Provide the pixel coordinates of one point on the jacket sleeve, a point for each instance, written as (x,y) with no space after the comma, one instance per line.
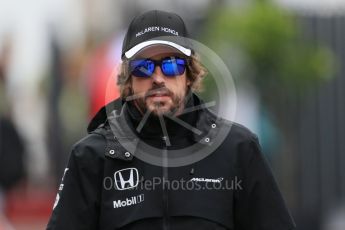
(77,202)
(259,204)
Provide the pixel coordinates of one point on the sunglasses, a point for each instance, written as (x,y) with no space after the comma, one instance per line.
(170,66)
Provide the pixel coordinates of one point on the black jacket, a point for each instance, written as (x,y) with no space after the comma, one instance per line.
(109,185)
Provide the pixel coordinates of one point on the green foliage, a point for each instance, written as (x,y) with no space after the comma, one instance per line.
(272,41)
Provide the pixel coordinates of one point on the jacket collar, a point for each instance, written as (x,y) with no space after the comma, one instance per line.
(114,114)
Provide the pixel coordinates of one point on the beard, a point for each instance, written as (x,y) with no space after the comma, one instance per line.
(171,104)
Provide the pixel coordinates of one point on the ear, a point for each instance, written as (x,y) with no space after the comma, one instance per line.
(188,82)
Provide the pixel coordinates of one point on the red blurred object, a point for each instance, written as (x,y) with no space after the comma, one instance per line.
(102,76)
(29,204)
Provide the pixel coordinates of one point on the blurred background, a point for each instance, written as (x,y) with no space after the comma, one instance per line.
(58,65)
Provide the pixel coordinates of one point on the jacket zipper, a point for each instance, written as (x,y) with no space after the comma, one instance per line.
(165,188)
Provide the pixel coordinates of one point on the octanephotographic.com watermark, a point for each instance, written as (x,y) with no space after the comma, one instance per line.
(222,102)
(193,184)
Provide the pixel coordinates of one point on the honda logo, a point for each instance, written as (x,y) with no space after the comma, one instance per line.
(126,178)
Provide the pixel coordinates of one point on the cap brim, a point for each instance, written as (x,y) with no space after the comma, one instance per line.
(134,50)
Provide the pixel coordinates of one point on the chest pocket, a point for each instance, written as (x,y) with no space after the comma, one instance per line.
(208,196)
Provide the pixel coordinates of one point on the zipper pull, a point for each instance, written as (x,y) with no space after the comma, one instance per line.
(191,171)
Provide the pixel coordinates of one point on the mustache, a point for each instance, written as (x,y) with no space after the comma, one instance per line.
(158,90)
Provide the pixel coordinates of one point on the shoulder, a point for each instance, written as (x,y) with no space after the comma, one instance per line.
(89,148)
(241,133)
(244,144)
(249,155)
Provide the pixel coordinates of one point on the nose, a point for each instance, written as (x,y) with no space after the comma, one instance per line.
(158,76)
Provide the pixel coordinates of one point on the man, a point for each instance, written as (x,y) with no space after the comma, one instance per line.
(140,165)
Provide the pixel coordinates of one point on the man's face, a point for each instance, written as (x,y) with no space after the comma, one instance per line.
(160,94)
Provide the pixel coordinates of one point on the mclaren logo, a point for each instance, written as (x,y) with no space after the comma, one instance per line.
(126,178)
(218,180)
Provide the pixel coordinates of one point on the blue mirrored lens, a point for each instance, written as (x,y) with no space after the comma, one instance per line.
(170,67)
(173,66)
(142,67)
